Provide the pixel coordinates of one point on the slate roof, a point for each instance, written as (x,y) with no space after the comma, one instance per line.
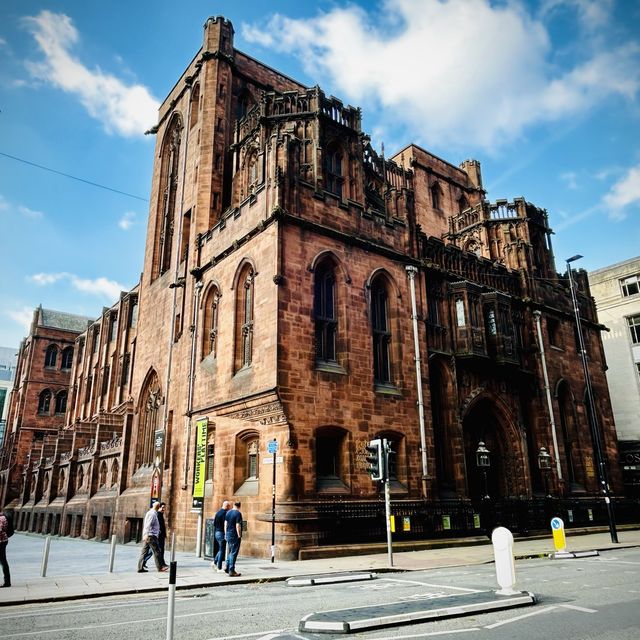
(62,320)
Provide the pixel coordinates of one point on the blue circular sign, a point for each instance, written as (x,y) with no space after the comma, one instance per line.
(556,523)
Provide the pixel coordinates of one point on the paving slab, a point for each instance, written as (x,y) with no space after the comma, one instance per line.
(410,611)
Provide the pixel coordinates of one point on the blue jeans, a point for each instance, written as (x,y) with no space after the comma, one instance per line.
(234,547)
(222,547)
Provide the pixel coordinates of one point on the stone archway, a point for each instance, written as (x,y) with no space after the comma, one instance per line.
(487,420)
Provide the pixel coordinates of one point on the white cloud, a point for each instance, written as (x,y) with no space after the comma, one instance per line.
(458,72)
(623,194)
(26,212)
(22,316)
(127,110)
(44,279)
(127,221)
(29,213)
(592,14)
(570,178)
(98,286)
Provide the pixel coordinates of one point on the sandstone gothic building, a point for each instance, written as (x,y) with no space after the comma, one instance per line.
(300,287)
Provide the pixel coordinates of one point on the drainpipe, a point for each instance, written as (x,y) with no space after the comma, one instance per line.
(536,316)
(411,273)
(192,363)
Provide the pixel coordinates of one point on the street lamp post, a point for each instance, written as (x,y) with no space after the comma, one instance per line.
(591,409)
(544,464)
(483,462)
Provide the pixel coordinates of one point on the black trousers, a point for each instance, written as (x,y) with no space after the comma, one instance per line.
(4,563)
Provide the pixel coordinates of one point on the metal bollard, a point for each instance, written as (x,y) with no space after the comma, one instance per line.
(112,553)
(45,557)
(171,604)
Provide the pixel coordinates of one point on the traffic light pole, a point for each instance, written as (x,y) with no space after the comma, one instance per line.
(387,502)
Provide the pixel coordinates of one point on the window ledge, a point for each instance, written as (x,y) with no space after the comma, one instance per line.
(249,487)
(327,366)
(387,390)
(331,486)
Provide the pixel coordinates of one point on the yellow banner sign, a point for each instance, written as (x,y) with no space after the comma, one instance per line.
(200,465)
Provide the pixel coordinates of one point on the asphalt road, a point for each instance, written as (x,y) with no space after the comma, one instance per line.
(581,599)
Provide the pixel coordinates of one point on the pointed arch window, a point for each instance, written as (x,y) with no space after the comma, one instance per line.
(194,105)
(381,332)
(61,402)
(252,170)
(436,196)
(326,322)
(62,479)
(44,402)
(244,319)
(51,356)
(211,314)
(80,479)
(67,358)
(247,470)
(167,190)
(115,473)
(463,204)
(149,421)
(333,169)
(102,480)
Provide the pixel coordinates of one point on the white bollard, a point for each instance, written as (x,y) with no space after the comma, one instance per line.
(112,553)
(502,541)
(45,557)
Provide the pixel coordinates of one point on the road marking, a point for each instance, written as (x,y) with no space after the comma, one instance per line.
(429,634)
(576,608)
(428,584)
(118,624)
(269,633)
(74,609)
(522,617)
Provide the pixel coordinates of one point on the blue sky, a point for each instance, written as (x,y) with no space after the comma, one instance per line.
(544,93)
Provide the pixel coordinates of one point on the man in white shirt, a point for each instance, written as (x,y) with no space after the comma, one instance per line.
(150,532)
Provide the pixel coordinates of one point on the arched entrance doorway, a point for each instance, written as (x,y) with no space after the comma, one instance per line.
(485,422)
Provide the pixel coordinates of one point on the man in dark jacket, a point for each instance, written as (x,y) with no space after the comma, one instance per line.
(233,536)
(4,541)
(162,536)
(218,532)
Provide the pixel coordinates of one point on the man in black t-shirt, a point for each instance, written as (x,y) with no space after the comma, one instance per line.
(218,533)
(233,536)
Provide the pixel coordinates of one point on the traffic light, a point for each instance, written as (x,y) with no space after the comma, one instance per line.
(375,458)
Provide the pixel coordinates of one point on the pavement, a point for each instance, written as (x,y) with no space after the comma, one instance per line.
(78,569)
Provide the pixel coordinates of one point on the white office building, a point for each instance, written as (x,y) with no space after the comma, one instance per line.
(616,290)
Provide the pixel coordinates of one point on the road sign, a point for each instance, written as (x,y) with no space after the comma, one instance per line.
(557,528)
(272,446)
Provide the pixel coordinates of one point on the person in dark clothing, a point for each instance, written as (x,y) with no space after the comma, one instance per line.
(218,533)
(162,536)
(4,541)
(233,536)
